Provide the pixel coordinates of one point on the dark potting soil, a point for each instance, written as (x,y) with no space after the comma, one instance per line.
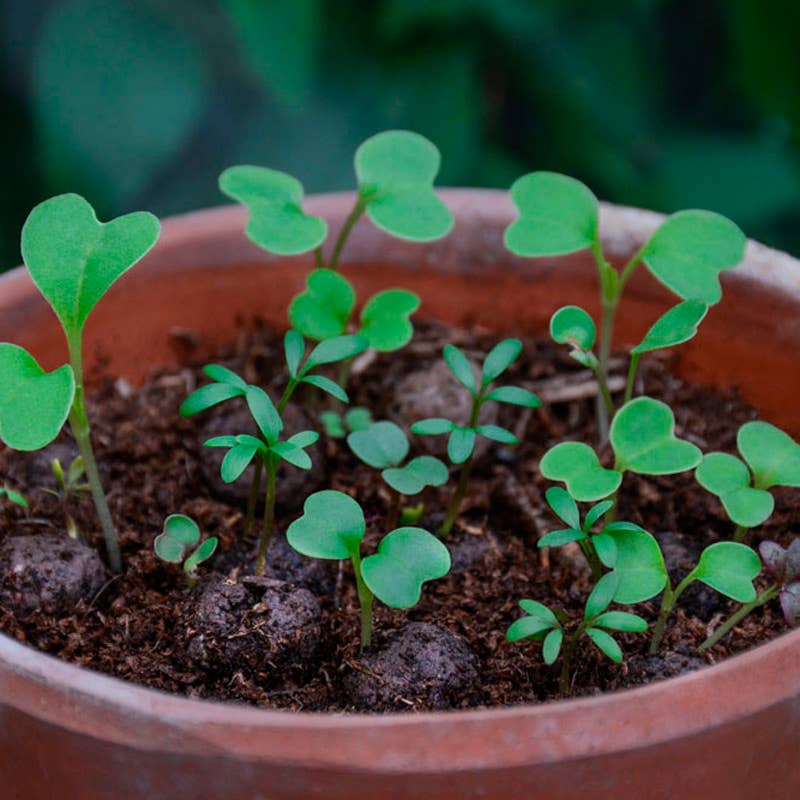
(291,640)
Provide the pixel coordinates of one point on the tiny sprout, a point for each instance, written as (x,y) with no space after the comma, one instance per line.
(784,567)
(560,636)
(69,485)
(13,497)
(771,458)
(74,260)
(332,527)
(385,446)
(174,543)
(461,441)
(337,426)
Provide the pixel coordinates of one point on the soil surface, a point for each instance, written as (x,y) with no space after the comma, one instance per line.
(291,640)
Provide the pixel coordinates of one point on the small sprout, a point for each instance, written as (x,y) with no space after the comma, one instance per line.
(771,458)
(174,545)
(13,497)
(337,426)
(573,326)
(578,466)
(461,441)
(68,486)
(332,527)
(74,260)
(784,568)
(560,636)
(385,446)
(412,514)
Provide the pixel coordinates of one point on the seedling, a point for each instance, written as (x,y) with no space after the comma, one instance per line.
(771,458)
(643,440)
(174,545)
(461,441)
(227,385)
(13,497)
(69,485)
(559,215)
(384,446)
(395,172)
(337,425)
(73,259)
(560,635)
(332,527)
(784,568)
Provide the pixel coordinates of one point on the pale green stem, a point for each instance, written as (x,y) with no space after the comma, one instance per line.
(740,534)
(668,601)
(566,658)
(358,209)
(319,262)
(631,382)
(592,558)
(269,515)
(365,598)
(732,621)
(79,423)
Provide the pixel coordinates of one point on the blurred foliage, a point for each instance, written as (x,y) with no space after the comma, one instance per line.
(659,103)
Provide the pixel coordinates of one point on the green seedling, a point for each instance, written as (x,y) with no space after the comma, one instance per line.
(69,486)
(13,497)
(176,542)
(302,370)
(332,527)
(337,425)
(771,458)
(461,441)
(410,515)
(560,635)
(558,215)
(385,446)
(643,440)
(73,259)
(783,565)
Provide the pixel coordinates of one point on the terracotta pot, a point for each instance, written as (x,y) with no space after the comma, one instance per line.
(729,731)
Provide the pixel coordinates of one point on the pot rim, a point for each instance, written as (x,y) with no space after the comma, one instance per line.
(82,700)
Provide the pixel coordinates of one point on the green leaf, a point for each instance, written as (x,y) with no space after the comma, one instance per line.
(601,595)
(639,564)
(515,396)
(74,259)
(358,418)
(221,441)
(203,553)
(620,621)
(643,437)
(406,558)
(435,426)
(595,512)
(460,444)
(179,533)
(773,456)
(221,374)
(552,646)
(332,424)
(34,404)
(677,326)
(274,200)
(572,325)
(385,319)
(605,643)
(264,413)
(292,454)
(729,478)
(207,396)
(420,472)
(382,445)
(327,385)
(536,609)
(304,439)
(168,549)
(730,568)
(499,359)
(497,434)
(324,308)
(557,215)
(236,461)
(14,497)
(294,348)
(332,526)
(562,537)
(690,249)
(339,348)
(606,549)
(527,628)
(460,367)
(564,506)
(578,466)
(395,171)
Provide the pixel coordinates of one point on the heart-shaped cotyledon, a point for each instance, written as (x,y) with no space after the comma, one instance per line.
(578,466)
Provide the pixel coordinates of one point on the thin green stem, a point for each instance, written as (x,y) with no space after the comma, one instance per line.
(79,423)
(740,534)
(358,209)
(605,407)
(631,382)
(394,510)
(319,261)
(365,598)
(252,500)
(592,558)
(735,618)
(287,394)
(269,515)
(566,659)
(605,394)
(668,601)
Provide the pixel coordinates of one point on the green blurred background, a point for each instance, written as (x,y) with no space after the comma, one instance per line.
(658,103)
